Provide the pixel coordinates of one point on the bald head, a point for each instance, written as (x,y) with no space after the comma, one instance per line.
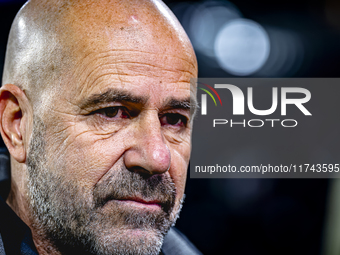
(51,41)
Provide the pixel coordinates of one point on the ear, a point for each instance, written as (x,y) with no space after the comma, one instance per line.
(14,108)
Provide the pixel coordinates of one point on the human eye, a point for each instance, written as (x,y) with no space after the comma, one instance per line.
(113,112)
(174,119)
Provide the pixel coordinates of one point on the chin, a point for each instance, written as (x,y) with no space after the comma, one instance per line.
(130,241)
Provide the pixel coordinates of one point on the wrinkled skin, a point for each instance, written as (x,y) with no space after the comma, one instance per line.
(109,92)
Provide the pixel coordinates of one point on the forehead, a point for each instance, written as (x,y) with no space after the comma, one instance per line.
(132,70)
(131,47)
(144,26)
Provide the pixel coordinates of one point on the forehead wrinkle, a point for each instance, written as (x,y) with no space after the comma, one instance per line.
(126,80)
(149,70)
(120,83)
(91,80)
(166,60)
(108,63)
(98,72)
(83,64)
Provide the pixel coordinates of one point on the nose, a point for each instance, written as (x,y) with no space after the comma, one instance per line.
(148,152)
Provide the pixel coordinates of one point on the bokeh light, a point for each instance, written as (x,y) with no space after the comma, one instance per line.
(242,47)
(206,21)
(286,54)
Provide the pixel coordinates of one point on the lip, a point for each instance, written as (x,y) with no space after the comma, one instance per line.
(141,202)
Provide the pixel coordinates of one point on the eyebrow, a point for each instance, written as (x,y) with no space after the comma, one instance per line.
(112,95)
(178,104)
(188,104)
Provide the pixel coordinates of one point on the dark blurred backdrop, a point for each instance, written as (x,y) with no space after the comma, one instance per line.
(289,38)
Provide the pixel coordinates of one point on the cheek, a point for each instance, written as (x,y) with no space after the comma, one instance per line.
(84,157)
(179,165)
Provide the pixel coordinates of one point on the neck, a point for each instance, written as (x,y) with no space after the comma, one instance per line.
(18,202)
(44,246)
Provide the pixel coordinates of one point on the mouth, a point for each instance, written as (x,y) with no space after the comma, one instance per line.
(140,203)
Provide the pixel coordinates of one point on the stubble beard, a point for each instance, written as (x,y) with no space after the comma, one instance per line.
(76,221)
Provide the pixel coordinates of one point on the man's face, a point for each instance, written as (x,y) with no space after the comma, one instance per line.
(109,152)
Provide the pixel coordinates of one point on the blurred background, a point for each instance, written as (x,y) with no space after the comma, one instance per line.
(247,38)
